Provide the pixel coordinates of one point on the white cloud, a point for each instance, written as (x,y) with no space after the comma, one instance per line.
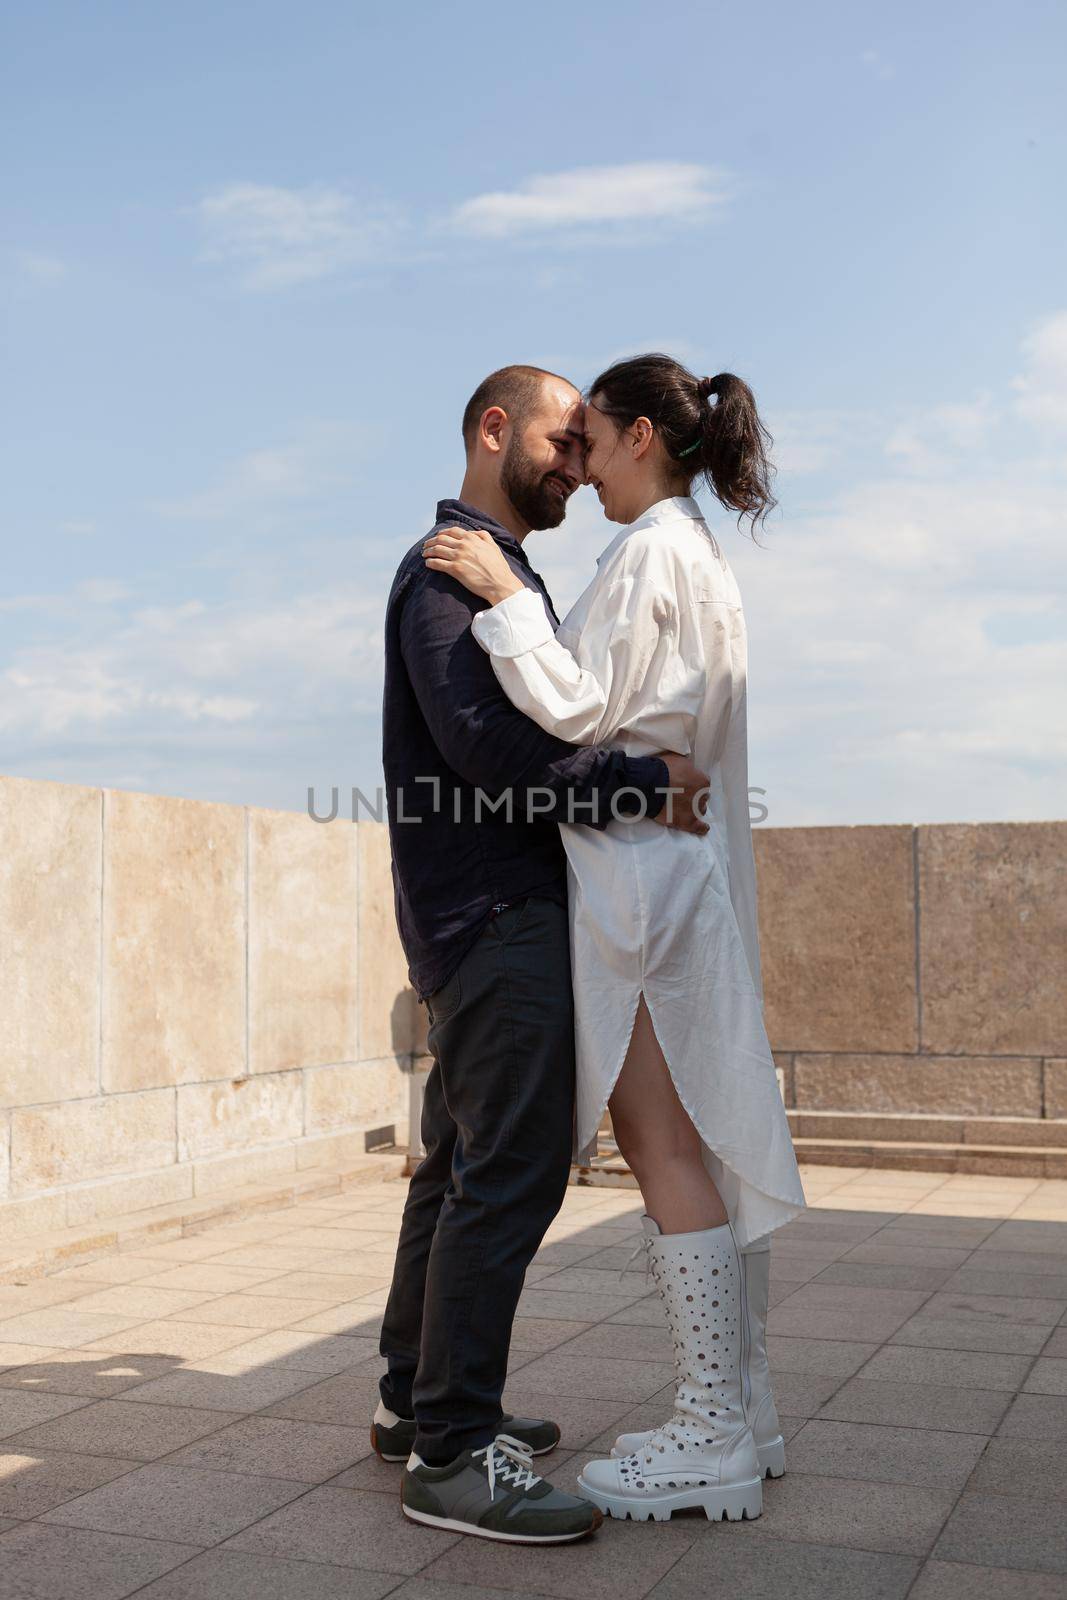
(278,237)
(897,672)
(922,442)
(587,197)
(247,697)
(102,591)
(258,476)
(908,639)
(878,64)
(37,266)
(165,667)
(70,603)
(811,441)
(908,643)
(1041,388)
(275,237)
(267,479)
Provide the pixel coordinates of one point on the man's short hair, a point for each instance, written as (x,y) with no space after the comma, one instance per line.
(515,390)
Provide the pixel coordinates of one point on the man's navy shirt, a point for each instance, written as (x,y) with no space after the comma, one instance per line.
(448,723)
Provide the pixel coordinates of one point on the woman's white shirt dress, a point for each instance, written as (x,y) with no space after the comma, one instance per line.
(653,657)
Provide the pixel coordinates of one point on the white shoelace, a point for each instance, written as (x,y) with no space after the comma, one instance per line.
(509,1460)
(642,1244)
(665,1439)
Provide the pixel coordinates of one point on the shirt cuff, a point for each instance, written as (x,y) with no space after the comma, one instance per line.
(647,773)
(514,625)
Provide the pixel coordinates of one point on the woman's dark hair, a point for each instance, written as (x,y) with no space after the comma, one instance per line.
(724,441)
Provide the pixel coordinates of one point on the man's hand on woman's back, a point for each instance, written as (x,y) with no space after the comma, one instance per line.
(685,809)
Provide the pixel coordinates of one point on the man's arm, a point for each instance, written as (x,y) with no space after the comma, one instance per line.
(486,740)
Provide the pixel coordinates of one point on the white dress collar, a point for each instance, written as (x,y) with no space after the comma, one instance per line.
(678,506)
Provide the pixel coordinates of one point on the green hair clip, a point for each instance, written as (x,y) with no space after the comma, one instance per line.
(689,450)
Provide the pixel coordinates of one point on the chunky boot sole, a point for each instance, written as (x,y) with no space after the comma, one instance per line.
(454,1525)
(772,1458)
(738,1502)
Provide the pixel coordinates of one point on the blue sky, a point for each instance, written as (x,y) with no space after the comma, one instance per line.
(254,259)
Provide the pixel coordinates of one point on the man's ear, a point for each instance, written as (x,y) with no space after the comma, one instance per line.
(491,428)
(642,432)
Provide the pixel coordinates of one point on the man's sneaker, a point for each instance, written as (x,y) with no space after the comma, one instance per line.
(494,1493)
(393,1437)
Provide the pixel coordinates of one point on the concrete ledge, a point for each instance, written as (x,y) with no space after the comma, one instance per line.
(1011,1132)
(902,1085)
(826,1142)
(97,1201)
(36,1255)
(994,1160)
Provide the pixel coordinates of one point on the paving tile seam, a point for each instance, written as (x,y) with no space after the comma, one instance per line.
(159,1539)
(873,1550)
(256,1327)
(241,1472)
(881,1229)
(979,1566)
(8,1438)
(401,1578)
(257,1330)
(152,1538)
(905,1427)
(108,1455)
(682,1553)
(1056,1328)
(81,1493)
(807,1545)
(956,1502)
(312,1488)
(922,1562)
(1020,1390)
(165,1405)
(940,1383)
(900,1483)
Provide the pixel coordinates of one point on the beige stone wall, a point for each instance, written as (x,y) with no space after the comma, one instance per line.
(918,970)
(194,996)
(191,996)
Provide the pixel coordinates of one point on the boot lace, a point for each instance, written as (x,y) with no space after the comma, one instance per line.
(664,1438)
(642,1244)
(507,1460)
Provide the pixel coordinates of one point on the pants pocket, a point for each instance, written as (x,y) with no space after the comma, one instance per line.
(506,924)
(444,1002)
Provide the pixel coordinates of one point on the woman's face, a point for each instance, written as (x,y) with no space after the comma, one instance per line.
(614,465)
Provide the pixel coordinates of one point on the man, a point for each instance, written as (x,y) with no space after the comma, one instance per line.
(475,792)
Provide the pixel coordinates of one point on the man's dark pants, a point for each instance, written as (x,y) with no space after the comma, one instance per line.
(497,1129)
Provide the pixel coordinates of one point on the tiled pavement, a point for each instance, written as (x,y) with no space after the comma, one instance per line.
(190,1419)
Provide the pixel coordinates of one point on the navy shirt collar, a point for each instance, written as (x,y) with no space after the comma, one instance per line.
(469,516)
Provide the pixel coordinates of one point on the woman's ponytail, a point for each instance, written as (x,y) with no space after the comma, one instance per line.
(734,456)
(723,440)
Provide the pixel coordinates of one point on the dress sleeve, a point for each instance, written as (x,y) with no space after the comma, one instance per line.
(485,740)
(582,704)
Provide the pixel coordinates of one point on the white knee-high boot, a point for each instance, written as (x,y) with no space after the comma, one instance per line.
(760,1409)
(705,1456)
(756,1392)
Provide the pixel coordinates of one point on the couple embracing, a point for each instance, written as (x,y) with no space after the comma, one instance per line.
(575,891)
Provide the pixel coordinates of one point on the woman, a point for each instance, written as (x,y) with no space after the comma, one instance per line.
(664,952)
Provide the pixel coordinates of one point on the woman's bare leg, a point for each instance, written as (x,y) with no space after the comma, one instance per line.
(658,1140)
